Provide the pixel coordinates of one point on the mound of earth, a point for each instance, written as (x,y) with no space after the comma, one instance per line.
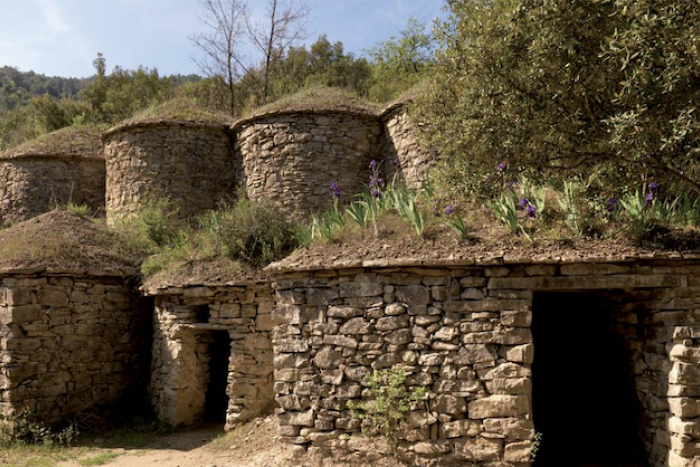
(61,240)
(220,271)
(74,141)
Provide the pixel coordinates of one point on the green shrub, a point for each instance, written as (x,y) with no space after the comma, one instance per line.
(24,429)
(80,210)
(391,401)
(152,222)
(254,233)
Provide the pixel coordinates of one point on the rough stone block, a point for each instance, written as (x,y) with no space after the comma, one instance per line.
(499,406)
(479,449)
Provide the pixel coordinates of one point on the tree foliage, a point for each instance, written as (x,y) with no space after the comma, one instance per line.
(400,62)
(555,89)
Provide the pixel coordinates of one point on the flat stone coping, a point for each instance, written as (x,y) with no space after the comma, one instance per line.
(199,290)
(284,267)
(67,272)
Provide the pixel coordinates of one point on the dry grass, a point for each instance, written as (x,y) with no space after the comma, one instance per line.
(179,110)
(59,239)
(319,98)
(73,140)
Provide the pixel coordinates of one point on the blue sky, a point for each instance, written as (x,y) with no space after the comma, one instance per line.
(62,37)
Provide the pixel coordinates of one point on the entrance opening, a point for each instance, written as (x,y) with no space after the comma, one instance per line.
(583,400)
(216,401)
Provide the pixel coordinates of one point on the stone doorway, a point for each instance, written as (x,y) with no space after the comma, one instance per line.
(584,398)
(216,399)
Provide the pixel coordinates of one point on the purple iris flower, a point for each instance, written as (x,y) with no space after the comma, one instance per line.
(376,194)
(531,211)
(524,202)
(449,210)
(648,198)
(373,164)
(653,186)
(501,166)
(611,205)
(335,190)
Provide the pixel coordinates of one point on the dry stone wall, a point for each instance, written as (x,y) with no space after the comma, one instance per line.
(464,333)
(69,342)
(183,322)
(31,185)
(292,158)
(191,165)
(403,155)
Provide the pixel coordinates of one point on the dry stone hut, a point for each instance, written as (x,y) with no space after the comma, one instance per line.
(73,334)
(292,156)
(212,349)
(600,355)
(185,159)
(403,154)
(52,171)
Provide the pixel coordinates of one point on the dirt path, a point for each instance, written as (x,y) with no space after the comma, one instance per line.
(250,445)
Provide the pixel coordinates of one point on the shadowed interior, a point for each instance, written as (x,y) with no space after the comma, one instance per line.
(584,400)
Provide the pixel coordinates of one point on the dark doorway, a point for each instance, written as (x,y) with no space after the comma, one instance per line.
(583,399)
(216,400)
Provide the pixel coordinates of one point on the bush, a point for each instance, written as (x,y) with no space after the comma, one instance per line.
(153,222)
(254,233)
(556,89)
(23,429)
(79,210)
(391,401)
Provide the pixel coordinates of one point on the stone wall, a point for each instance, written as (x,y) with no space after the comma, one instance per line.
(184,319)
(463,332)
(403,156)
(189,164)
(32,185)
(69,342)
(292,158)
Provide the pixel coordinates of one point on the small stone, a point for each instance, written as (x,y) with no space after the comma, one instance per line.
(395,309)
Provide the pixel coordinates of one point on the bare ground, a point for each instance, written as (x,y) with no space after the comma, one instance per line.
(250,445)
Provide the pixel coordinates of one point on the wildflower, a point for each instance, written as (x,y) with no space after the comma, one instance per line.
(611,204)
(648,198)
(653,186)
(501,166)
(449,210)
(524,202)
(531,211)
(376,182)
(335,190)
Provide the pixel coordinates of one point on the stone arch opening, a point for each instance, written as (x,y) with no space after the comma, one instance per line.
(584,399)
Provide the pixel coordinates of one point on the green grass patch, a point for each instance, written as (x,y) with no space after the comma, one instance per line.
(100,459)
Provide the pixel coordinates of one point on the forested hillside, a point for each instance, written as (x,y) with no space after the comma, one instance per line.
(32,104)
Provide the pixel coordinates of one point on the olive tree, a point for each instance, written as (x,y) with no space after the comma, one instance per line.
(554,89)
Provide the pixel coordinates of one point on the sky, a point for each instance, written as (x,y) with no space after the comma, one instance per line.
(62,37)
